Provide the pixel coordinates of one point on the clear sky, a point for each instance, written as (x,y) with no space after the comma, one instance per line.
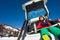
(11,12)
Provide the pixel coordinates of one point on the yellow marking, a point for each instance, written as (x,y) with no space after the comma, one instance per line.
(45,37)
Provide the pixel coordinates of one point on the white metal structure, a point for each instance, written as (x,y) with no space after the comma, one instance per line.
(36,36)
(37,18)
(30,2)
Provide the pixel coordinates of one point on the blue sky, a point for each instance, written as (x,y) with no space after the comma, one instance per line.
(11,12)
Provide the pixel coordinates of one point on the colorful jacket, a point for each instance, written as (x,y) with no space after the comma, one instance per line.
(41,24)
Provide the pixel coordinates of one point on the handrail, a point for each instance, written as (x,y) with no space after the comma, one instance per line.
(23,31)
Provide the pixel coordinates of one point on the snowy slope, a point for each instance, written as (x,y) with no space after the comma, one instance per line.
(8,38)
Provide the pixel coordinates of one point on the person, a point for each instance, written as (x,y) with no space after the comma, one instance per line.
(43,23)
(57,20)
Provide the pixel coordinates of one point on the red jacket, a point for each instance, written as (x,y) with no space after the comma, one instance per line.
(42,26)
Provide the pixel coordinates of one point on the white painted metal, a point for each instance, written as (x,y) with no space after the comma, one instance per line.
(45,1)
(35,28)
(23,6)
(56,24)
(52,36)
(34,20)
(47,10)
(36,0)
(30,2)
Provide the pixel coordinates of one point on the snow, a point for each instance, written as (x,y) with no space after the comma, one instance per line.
(33,37)
(8,38)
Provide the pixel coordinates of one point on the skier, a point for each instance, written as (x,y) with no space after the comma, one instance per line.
(43,23)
